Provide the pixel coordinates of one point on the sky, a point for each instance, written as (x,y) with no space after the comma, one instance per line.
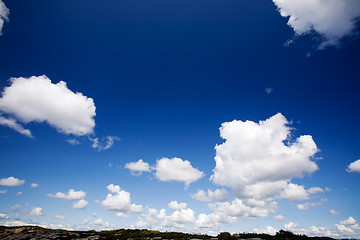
(194,116)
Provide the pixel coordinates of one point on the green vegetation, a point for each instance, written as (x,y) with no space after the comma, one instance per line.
(35,232)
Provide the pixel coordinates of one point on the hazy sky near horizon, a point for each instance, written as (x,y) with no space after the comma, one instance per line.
(195,116)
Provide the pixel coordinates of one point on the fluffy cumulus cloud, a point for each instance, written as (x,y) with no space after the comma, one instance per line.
(11,182)
(59,217)
(137,168)
(258,160)
(219,195)
(119,200)
(294,192)
(176,169)
(71,195)
(348,226)
(34,185)
(177,206)
(81,204)
(178,220)
(183,216)
(213,220)
(37,99)
(354,167)
(4,15)
(248,209)
(36,211)
(332,19)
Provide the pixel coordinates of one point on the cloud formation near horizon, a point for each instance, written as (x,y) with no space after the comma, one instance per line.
(256,162)
(331,19)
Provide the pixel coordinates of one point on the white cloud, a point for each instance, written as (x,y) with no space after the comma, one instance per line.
(36,99)
(307,205)
(248,209)
(81,204)
(16,223)
(121,215)
(354,167)
(3,191)
(268,230)
(71,195)
(138,167)
(59,217)
(113,188)
(176,169)
(102,224)
(315,190)
(279,218)
(348,226)
(349,222)
(334,212)
(11,123)
(36,211)
(120,201)
(11,182)
(256,162)
(213,220)
(332,19)
(201,195)
(105,143)
(73,141)
(34,185)
(19,193)
(177,206)
(294,192)
(183,216)
(3,216)
(219,195)
(4,15)
(16,207)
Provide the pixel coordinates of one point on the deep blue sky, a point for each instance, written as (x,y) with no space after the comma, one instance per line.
(164,76)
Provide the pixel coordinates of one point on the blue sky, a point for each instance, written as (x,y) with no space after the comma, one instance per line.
(197,116)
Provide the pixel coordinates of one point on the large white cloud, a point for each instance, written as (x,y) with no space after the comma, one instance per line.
(71,195)
(11,182)
(258,160)
(332,19)
(120,200)
(176,169)
(36,99)
(138,167)
(4,15)
(354,167)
